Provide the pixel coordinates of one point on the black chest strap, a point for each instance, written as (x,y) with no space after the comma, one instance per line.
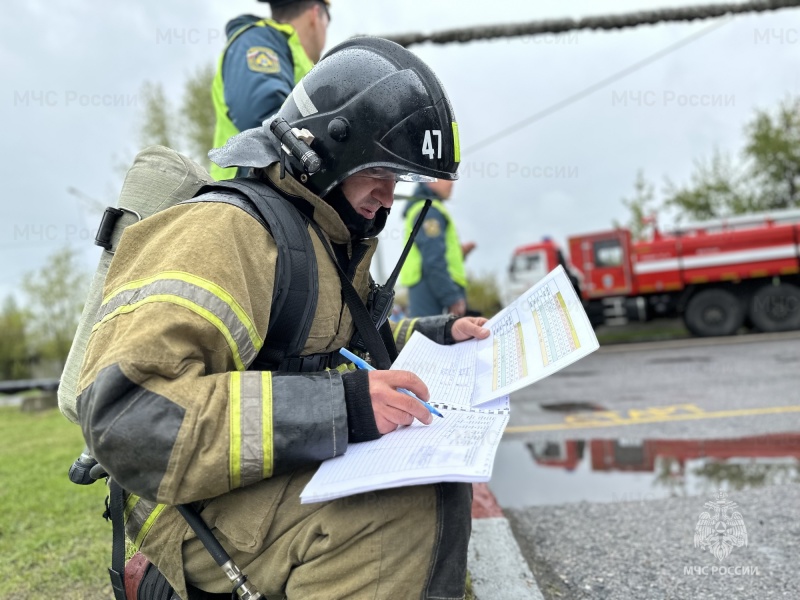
(296,283)
(296,291)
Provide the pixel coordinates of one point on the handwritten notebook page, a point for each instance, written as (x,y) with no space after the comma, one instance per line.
(459,447)
(448,371)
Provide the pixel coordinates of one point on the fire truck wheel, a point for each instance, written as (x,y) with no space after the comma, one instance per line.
(714,312)
(776,308)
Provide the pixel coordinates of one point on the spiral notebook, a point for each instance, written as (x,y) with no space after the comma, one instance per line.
(543,331)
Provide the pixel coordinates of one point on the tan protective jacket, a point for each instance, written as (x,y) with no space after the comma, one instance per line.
(166,405)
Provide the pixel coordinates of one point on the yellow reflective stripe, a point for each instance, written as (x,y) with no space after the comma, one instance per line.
(411,327)
(139,516)
(400,328)
(456,143)
(235,430)
(193,293)
(266,423)
(129,504)
(209,286)
(251,467)
(148,524)
(207,315)
(403,330)
(251,452)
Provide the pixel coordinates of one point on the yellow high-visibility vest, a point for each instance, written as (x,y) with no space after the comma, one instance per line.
(411,272)
(225,129)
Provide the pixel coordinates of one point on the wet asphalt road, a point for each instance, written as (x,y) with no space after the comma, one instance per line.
(607,466)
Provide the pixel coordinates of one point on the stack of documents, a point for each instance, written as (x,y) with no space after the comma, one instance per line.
(543,331)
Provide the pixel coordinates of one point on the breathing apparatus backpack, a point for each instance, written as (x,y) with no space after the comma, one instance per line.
(160,178)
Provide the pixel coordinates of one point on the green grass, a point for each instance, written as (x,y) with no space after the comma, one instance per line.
(54,543)
(470,595)
(651,331)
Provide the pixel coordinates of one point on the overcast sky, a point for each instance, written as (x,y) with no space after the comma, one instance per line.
(73,72)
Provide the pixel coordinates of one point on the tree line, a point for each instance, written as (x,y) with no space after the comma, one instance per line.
(39,325)
(763,176)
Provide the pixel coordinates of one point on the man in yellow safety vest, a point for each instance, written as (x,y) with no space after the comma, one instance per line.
(261,63)
(434,270)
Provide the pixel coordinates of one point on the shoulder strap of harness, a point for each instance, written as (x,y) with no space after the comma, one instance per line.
(294,298)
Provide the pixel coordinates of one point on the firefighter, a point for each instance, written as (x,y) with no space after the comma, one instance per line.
(261,63)
(434,271)
(170,416)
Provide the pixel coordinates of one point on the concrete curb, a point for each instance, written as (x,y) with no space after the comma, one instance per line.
(495,562)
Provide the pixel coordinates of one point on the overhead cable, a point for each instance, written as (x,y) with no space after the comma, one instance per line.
(563,103)
(602,22)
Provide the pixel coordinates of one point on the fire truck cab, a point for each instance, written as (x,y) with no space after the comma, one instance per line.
(717,275)
(529,264)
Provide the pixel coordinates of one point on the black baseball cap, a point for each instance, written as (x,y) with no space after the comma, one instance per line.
(287,2)
(282,3)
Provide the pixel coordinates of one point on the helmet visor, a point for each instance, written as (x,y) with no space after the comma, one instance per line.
(383,172)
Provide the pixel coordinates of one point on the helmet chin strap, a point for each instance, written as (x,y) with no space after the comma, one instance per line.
(358,226)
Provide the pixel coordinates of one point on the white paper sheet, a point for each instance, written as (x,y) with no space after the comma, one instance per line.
(459,447)
(543,331)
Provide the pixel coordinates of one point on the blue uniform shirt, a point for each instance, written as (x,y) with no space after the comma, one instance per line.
(253,96)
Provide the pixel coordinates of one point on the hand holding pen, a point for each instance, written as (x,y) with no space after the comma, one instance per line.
(391,408)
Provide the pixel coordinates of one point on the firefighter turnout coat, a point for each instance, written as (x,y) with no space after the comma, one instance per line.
(167,405)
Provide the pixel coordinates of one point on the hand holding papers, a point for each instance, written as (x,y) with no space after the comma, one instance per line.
(543,331)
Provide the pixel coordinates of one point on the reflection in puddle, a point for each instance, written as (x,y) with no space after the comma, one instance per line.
(558,472)
(573,407)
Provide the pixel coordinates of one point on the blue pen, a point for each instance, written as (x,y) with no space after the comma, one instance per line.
(362,364)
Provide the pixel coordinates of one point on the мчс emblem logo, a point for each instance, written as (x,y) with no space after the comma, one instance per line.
(722,529)
(263,60)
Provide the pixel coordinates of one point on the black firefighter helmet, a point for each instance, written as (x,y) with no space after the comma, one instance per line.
(372,106)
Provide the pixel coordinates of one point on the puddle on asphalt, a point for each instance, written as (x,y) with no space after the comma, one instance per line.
(573,407)
(558,472)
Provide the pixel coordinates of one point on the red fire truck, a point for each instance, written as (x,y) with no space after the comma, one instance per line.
(717,275)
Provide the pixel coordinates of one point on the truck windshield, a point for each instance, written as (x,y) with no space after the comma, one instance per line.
(530,267)
(607,253)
